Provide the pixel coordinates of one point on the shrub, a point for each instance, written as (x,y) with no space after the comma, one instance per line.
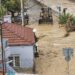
(68,20)
(2,11)
(73,20)
(63,18)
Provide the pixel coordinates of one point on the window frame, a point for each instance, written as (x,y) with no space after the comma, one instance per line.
(14,63)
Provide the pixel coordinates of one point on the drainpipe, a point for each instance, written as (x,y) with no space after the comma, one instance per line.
(22,11)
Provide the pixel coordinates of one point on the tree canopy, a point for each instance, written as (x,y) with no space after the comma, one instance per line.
(12,5)
(2,11)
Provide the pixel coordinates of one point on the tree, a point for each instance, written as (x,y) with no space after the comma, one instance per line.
(12,6)
(2,11)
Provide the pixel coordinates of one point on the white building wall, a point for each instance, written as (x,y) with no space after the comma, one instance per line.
(7,18)
(25,53)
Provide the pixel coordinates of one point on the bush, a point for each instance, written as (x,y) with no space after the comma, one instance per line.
(2,11)
(68,20)
(63,18)
(73,21)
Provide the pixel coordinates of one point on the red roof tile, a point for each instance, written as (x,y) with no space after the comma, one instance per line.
(18,35)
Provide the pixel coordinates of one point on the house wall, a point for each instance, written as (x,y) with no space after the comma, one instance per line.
(25,52)
(7,18)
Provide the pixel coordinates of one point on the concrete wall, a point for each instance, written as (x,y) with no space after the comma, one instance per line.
(25,53)
(7,18)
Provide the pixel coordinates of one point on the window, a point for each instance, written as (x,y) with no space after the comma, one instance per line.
(11,63)
(16,61)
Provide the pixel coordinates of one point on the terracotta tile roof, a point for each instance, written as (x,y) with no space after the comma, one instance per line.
(18,35)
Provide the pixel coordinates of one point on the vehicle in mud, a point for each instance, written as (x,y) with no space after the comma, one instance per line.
(46,15)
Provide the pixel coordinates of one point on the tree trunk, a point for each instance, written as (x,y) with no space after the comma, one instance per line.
(12,13)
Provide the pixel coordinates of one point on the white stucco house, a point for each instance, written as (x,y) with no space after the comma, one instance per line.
(20,45)
(7,18)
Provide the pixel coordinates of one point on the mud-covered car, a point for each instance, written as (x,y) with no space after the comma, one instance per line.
(46,15)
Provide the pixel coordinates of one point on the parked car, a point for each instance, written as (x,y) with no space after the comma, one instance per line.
(18,18)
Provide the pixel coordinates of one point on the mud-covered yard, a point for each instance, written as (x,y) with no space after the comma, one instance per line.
(51,60)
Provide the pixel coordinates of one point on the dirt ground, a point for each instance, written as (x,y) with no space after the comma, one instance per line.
(51,60)
(69,4)
(63,2)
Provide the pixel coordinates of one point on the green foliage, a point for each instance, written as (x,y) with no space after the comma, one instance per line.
(12,5)
(73,20)
(2,11)
(68,20)
(63,18)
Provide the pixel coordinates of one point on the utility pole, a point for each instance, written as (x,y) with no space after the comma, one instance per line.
(2,48)
(22,11)
(3,61)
